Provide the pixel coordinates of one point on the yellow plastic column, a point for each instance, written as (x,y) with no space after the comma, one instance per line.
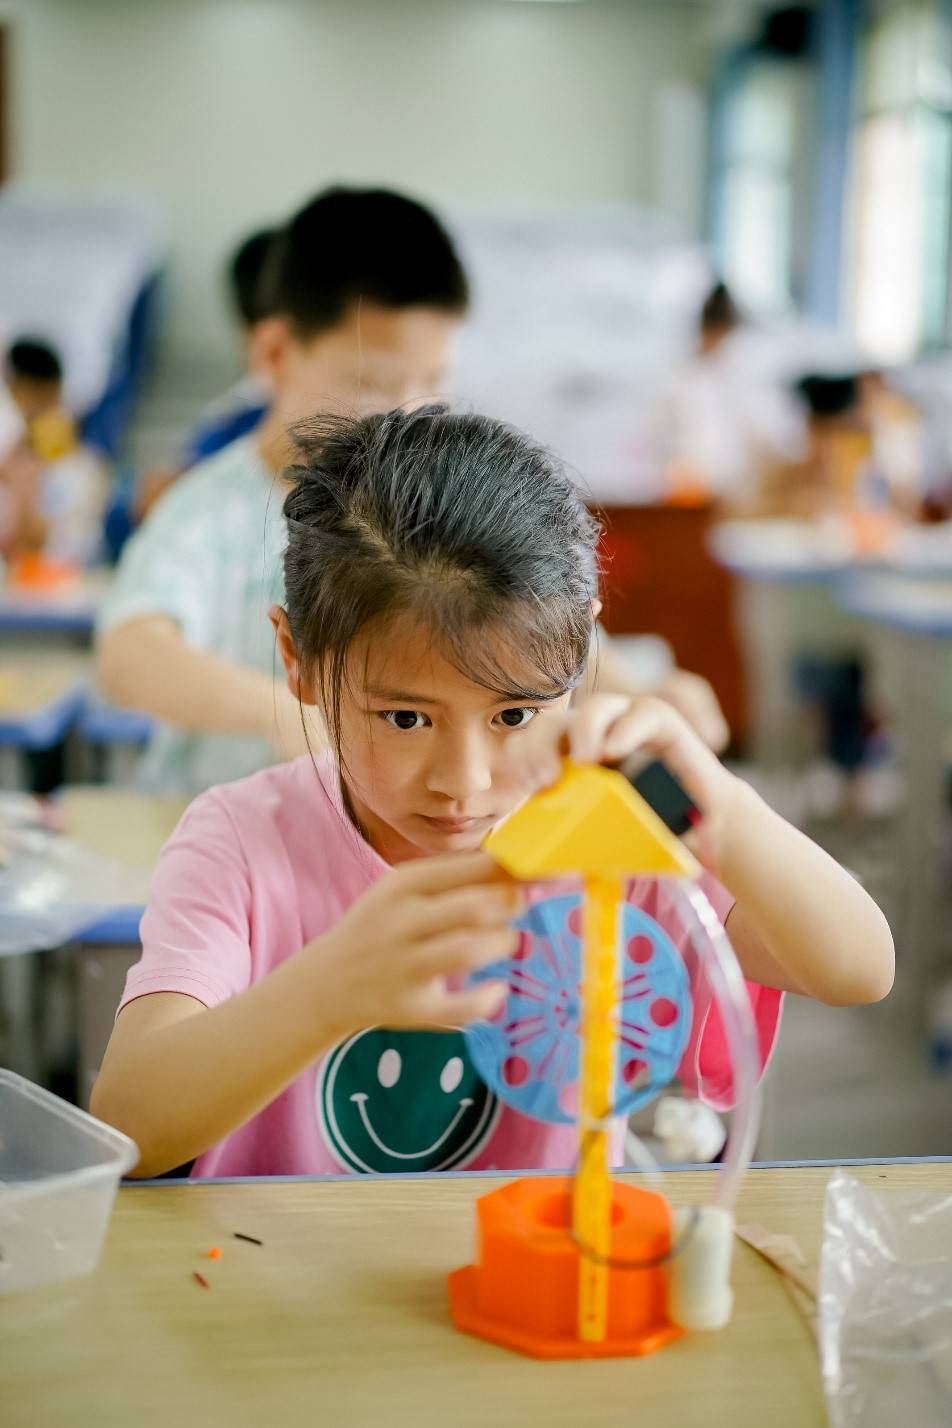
(592,1205)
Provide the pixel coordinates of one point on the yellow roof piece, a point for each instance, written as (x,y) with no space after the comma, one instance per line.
(591,823)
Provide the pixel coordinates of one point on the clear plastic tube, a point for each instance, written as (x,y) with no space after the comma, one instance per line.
(726,980)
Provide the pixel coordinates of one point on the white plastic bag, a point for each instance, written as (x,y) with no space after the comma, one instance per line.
(886,1307)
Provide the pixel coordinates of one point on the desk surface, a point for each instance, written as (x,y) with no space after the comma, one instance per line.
(918,606)
(340,1317)
(41,694)
(71,609)
(788,552)
(126,825)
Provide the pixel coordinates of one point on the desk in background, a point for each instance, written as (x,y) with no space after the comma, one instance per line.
(340,1316)
(41,696)
(130,827)
(67,613)
(783,607)
(788,577)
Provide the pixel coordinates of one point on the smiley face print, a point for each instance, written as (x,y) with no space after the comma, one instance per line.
(398,1101)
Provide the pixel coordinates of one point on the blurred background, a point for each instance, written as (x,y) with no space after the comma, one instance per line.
(771,457)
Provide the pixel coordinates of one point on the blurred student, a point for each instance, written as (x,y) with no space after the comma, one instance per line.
(53,490)
(243,407)
(365,297)
(718,420)
(898,433)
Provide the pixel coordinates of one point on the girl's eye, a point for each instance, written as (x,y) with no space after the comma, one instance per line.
(405,719)
(516,718)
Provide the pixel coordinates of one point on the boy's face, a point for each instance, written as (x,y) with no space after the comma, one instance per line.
(33,397)
(375,359)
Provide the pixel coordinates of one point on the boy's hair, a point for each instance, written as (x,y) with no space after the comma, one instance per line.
(246,273)
(351,243)
(457,520)
(719,311)
(30,359)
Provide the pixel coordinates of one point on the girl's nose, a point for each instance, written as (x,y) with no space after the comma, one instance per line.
(462,771)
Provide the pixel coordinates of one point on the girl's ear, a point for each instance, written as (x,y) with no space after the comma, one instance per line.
(596,609)
(300,687)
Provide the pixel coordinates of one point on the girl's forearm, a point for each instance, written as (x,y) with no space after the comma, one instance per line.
(801,922)
(180,1083)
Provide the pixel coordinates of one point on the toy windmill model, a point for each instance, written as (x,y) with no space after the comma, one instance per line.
(596,1022)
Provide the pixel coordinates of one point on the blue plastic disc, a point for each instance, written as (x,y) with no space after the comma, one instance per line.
(529,1053)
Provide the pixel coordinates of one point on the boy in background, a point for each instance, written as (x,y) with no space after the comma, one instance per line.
(243,406)
(364,297)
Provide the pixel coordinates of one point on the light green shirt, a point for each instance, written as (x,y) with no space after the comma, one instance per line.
(211,556)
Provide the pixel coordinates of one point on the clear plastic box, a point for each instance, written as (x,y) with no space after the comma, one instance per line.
(59,1172)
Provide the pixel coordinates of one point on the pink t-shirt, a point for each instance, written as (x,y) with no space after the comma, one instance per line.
(258,868)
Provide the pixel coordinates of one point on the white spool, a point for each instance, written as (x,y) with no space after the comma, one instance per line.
(699,1287)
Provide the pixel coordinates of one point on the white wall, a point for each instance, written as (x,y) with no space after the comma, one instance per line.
(229,112)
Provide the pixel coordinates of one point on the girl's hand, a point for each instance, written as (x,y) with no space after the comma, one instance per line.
(694,698)
(607,729)
(426,923)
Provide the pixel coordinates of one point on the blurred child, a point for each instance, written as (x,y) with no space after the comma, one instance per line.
(53,490)
(717,419)
(365,295)
(309,932)
(243,406)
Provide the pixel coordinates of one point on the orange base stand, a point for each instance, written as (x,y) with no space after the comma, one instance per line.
(523,1293)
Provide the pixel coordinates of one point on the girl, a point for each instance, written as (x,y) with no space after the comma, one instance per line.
(308,923)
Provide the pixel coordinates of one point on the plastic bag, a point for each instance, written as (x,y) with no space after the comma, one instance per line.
(52,888)
(886,1306)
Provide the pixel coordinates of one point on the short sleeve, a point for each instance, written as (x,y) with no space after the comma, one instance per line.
(196,932)
(166,569)
(709,1069)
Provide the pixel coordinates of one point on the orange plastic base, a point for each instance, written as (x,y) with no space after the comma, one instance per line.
(523,1293)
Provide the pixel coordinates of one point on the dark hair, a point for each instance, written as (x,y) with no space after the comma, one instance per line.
(245,276)
(35,360)
(828,396)
(456,518)
(719,310)
(351,243)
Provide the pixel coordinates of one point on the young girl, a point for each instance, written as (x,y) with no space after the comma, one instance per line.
(305,949)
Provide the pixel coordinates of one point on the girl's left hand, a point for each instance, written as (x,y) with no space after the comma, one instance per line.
(607,729)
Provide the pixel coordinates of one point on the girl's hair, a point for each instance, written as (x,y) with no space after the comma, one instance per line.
(457,520)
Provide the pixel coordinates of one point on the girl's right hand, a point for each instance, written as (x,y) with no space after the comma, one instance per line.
(391,958)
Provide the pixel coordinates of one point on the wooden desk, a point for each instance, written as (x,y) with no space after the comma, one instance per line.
(41,695)
(340,1318)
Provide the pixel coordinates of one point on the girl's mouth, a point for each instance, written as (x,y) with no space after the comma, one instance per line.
(458,825)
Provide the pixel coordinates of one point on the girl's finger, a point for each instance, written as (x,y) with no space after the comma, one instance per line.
(454,952)
(432,876)
(490,907)
(535,758)
(458,1009)
(651,725)
(590,724)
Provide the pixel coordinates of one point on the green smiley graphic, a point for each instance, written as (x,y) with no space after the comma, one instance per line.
(403,1100)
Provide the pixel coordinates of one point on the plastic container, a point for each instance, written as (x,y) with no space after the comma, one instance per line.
(59,1171)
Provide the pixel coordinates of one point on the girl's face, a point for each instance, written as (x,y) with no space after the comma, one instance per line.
(422,745)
